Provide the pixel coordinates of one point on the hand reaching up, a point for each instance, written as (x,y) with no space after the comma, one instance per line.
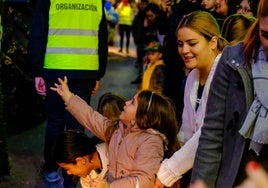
(62,89)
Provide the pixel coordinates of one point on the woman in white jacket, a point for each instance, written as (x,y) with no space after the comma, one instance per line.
(200,45)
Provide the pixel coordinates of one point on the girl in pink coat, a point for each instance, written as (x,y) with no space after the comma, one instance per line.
(147,132)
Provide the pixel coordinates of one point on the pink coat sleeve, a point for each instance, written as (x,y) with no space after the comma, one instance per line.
(88,117)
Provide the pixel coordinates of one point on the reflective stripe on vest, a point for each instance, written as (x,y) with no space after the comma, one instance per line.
(73,40)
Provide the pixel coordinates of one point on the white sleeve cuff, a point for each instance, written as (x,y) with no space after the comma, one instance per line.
(165,175)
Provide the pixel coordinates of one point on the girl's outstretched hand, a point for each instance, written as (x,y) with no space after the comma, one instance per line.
(62,89)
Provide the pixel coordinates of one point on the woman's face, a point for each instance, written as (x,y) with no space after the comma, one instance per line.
(244,8)
(264,33)
(194,49)
(222,7)
(130,110)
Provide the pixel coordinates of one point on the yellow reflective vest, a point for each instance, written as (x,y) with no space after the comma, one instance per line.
(73,35)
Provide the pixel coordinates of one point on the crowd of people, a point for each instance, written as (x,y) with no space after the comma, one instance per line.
(199,118)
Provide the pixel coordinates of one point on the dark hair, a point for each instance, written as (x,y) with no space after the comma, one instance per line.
(155,8)
(235,27)
(252,39)
(205,24)
(254,6)
(144,1)
(158,112)
(111,105)
(72,144)
(232,4)
(231,7)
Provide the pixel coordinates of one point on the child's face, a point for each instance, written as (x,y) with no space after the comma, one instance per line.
(82,168)
(129,112)
(209,5)
(154,56)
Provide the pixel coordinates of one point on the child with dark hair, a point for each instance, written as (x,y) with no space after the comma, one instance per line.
(81,156)
(147,132)
(87,157)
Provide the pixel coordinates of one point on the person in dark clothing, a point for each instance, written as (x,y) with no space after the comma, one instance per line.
(137,32)
(149,33)
(64,44)
(175,73)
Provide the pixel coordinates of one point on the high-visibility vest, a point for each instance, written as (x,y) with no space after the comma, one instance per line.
(73,35)
(125,14)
